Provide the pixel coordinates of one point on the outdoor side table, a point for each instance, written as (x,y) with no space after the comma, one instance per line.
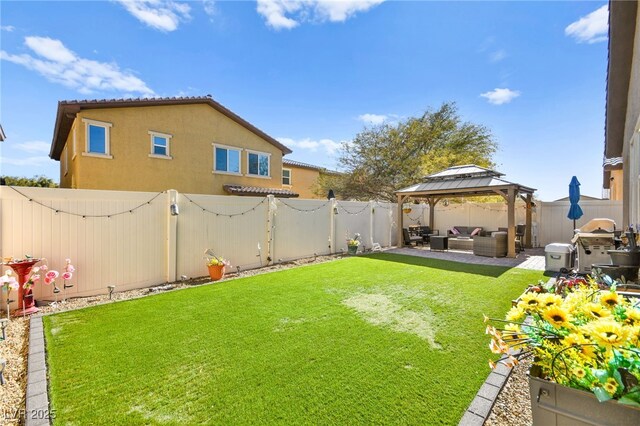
(439,242)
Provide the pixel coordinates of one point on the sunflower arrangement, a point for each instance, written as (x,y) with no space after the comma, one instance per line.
(585,338)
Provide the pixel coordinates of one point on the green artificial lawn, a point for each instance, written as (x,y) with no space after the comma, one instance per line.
(378,339)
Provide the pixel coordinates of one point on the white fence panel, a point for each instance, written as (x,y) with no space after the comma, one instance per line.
(302,228)
(383,223)
(555,227)
(233,227)
(353,217)
(125,246)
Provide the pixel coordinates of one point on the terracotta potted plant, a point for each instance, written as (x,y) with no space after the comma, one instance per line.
(584,338)
(216,266)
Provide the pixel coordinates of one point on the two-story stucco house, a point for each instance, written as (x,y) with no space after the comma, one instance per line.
(193,145)
(622,126)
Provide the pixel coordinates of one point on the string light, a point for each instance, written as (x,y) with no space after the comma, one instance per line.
(224,214)
(353,213)
(304,210)
(85,216)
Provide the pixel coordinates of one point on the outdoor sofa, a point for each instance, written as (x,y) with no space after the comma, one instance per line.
(494,245)
(465,231)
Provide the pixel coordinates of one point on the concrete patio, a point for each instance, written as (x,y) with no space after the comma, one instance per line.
(531,258)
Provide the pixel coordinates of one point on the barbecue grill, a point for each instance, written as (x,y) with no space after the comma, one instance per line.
(592,241)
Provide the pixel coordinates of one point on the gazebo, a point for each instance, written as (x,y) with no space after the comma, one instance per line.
(468,181)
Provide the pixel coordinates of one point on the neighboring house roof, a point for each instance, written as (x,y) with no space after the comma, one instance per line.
(622,28)
(293,163)
(582,198)
(257,190)
(67,111)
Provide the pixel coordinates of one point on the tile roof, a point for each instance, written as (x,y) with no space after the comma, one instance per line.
(67,111)
(257,190)
(293,163)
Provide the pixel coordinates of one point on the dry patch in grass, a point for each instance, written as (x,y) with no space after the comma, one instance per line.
(385,310)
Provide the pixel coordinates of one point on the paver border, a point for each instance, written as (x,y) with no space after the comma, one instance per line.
(37,411)
(480,408)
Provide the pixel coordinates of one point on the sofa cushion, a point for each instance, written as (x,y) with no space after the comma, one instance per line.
(476,231)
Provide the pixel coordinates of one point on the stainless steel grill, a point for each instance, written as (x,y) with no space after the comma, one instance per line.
(592,241)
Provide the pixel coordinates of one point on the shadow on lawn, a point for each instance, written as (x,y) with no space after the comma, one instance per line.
(447,265)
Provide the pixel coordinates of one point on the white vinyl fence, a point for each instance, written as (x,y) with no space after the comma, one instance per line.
(131,239)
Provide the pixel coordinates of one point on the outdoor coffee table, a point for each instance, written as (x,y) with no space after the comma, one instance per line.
(439,242)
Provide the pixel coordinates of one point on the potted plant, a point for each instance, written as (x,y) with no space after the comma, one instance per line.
(353,244)
(585,344)
(216,266)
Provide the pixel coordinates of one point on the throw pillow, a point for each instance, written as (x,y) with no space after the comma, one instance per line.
(455,231)
(476,231)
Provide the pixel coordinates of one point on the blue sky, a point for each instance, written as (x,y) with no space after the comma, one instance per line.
(314,73)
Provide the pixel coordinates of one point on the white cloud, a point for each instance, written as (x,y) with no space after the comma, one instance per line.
(7,28)
(500,96)
(373,118)
(34,147)
(329,146)
(163,15)
(498,55)
(209,7)
(288,14)
(591,28)
(60,65)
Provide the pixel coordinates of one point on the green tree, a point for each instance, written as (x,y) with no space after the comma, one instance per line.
(37,181)
(385,158)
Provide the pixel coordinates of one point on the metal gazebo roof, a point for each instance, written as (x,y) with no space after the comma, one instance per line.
(464,180)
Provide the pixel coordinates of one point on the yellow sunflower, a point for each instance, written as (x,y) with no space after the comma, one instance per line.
(579,372)
(557,317)
(610,299)
(583,346)
(595,310)
(608,333)
(633,317)
(515,314)
(550,299)
(611,386)
(530,301)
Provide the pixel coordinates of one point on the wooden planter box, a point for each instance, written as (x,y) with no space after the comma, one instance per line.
(554,404)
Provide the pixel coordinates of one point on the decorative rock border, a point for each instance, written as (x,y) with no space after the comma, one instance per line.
(480,408)
(37,405)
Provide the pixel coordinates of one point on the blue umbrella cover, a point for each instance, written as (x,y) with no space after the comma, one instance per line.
(575,212)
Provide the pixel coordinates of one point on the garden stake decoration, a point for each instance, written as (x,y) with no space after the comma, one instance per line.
(3,324)
(67,275)
(3,363)
(9,283)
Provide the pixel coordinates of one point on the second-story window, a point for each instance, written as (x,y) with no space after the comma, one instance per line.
(160,145)
(226,159)
(258,164)
(97,138)
(286,176)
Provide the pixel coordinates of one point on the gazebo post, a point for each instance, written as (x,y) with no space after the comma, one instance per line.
(432,204)
(527,234)
(511,222)
(401,199)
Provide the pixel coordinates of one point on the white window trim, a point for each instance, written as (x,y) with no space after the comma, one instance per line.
(227,147)
(290,179)
(249,151)
(107,138)
(168,137)
(73,139)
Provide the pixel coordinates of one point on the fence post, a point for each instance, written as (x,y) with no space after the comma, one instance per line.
(333,205)
(172,236)
(271,211)
(371,227)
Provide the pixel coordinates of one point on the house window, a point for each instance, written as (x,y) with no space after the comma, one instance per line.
(258,164)
(226,159)
(160,145)
(97,138)
(286,176)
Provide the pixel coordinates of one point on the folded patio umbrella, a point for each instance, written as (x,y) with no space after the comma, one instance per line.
(575,211)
